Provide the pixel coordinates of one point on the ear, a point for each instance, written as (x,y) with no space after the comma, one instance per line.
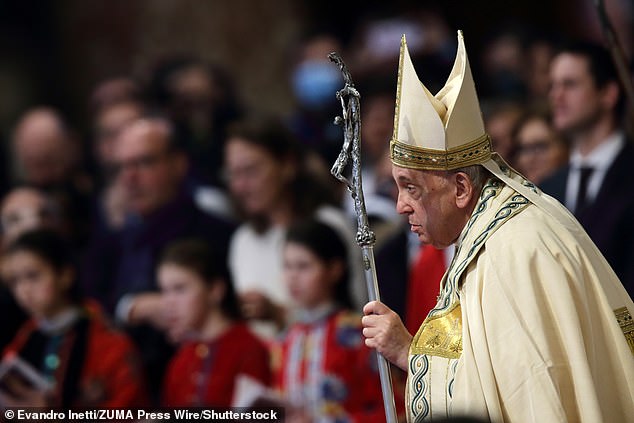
(289,168)
(336,268)
(465,189)
(216,292)
(180,164)
(610,95)
(66,278)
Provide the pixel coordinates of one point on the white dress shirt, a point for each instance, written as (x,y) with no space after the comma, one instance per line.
(600,159)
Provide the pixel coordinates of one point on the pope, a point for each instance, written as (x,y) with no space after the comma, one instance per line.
(531,323)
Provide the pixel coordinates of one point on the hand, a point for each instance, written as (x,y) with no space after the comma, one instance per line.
(385,332)
(255,305)
(22,395)
(148,307)
(297,415)
(115,205)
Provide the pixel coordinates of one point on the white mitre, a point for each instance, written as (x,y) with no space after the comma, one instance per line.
(446,131)
(438,132)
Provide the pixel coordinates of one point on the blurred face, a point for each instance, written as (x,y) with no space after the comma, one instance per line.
(378,122)
(148,172)
(24,209)
(35,284)
(428,199)
(194,96)
(574,97)
(539,151)
(309,279)
(499,127)
(44,152)
(109,124)
(540,54)
(185,296)
(256,180)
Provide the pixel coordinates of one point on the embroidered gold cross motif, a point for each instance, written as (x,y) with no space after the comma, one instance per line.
(440,335)
(433,342)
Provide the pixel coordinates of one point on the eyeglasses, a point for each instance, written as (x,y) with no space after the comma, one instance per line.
(534,148)
(140,163)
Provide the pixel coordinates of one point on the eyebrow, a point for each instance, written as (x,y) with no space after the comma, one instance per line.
(402,178)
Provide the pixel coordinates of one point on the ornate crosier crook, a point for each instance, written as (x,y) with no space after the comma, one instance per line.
(350,121)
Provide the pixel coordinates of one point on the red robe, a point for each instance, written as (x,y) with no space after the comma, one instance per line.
(325,368)
(204,373)
(96,365)
(424,285)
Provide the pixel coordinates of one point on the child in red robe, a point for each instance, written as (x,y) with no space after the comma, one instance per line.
(202,313)
(81,360)
(322,367)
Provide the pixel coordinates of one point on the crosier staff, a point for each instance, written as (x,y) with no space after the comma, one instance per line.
(618,55)
(350,121)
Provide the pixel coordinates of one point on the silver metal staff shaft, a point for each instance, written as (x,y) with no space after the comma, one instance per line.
(351,124)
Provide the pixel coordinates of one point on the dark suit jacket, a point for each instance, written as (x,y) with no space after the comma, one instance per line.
(609,220)
(125,263)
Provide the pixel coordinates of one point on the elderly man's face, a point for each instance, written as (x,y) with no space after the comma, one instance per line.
(44,152)
(149,173)
(428,199)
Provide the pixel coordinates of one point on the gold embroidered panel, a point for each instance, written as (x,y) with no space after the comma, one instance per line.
(413,157)
(440,335)
(626,323)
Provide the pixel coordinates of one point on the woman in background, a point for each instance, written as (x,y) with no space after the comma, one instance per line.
(539,148)
(274,185)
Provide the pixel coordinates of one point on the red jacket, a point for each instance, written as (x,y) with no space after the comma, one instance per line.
(325,368)
(204,373)
(97,364)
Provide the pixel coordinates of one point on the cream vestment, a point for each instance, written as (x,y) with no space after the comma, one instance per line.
(526,326)
(532,324)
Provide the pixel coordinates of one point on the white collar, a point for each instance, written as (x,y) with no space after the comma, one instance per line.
(59,323)
(316,314)
(602,156)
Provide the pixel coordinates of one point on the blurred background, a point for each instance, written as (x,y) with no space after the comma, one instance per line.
(54,52)
(126,125)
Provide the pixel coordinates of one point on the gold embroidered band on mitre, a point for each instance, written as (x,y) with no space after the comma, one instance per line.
(440,335)
(626,323)
(475,152)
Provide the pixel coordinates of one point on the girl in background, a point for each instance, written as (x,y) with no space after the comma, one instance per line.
(67,341)
(322,367)
(202,313)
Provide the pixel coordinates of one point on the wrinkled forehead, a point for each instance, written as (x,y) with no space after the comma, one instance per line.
(142,137)
(404,174)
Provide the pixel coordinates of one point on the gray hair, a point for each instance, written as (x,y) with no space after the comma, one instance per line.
(476,173)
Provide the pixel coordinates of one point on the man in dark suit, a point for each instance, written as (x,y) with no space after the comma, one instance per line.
(597,185)
(120,268)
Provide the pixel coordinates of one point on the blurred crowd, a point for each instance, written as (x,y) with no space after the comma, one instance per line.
(189,247)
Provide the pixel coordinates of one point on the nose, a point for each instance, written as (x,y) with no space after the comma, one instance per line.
(554,92)
(22,293)
(402,207)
